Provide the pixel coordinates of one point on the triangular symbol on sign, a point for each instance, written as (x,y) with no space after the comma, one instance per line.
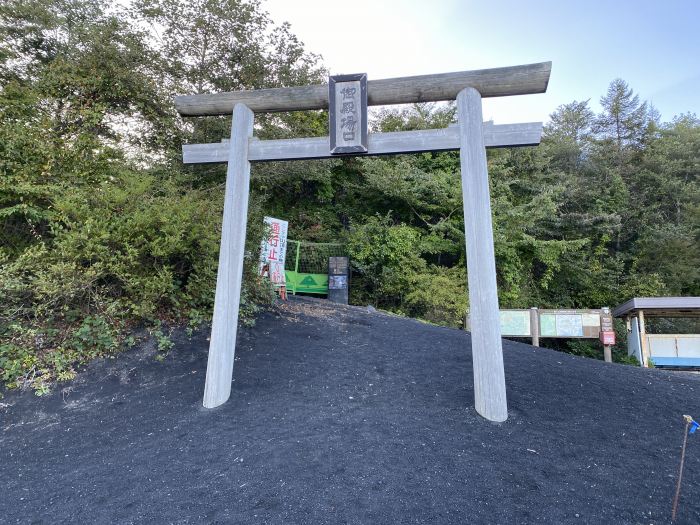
(308,280)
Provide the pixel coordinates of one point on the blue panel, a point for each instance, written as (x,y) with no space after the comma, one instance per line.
(676,361)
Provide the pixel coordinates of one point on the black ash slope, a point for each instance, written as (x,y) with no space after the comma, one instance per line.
(339,415)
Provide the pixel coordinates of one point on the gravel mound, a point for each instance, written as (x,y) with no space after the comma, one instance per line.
(344,415)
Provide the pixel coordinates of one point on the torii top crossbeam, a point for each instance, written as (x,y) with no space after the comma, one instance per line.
(497,82)
(348,96)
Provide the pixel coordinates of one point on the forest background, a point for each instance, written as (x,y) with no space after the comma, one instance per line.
(103,230)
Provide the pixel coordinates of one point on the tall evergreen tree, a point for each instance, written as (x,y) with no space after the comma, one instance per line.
(572,121)
(624,117)
(568,134)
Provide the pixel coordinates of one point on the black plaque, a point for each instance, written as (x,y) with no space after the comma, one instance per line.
(338,277)
(347,111)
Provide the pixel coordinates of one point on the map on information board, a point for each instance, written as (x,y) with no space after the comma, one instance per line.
(569,325)
(548,325)
(591,320)
(515,323)
(563,323)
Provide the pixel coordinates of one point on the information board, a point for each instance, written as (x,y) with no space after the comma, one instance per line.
(552,323)
(515,323)
(570,323)
(590,320)
(548,325)
(337,282)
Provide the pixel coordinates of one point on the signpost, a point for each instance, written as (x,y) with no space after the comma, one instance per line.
(607,333)
(515,323)
(273,250)
(348,135)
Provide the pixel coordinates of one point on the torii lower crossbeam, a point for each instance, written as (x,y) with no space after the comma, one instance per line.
(446,139)
(471,136)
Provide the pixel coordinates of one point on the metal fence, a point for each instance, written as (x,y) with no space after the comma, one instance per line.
(306,265)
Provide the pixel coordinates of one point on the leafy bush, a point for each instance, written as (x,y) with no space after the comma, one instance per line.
(439,295)
(101,227)
(136,248)
(391,273)
(384,255)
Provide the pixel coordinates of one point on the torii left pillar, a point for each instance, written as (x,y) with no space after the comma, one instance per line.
(222,344)
(487,348)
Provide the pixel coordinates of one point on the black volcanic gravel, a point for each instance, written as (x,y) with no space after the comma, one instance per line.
(343,415)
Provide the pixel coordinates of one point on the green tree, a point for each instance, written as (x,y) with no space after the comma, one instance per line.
(569,134)
(101,227)
(624,117)
(667,197)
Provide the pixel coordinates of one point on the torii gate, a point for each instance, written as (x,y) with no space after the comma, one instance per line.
(349,136)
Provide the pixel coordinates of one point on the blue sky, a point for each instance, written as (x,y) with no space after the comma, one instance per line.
(653,45)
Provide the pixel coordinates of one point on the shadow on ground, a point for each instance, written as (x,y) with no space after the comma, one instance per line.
(340,415)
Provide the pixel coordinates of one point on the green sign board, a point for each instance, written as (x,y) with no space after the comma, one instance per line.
(316,283)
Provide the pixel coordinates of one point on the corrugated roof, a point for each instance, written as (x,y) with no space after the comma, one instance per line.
(659,303)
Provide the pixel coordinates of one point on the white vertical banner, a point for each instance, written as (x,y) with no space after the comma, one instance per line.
(273,249)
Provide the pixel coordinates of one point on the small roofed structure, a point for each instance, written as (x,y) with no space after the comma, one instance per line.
(668,350)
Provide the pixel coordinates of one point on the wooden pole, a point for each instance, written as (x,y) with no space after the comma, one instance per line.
(535,326)
(643,340)
(487,351)
(679,480)
(296,267)
(222,345)
(496,82)
(607,353)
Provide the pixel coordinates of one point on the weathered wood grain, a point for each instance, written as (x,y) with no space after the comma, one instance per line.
(496,82)
(222,345)
(487,350)
(646,354)
(495,136)
(535,326)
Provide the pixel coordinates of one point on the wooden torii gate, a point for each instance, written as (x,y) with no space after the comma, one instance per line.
(470,136)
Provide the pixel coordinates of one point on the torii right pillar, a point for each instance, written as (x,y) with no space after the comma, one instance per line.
(487,349)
